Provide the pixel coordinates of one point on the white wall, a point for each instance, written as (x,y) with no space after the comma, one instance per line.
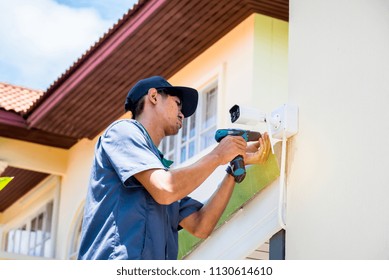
(338,171)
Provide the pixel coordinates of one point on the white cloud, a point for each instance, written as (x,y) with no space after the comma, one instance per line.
(40,39)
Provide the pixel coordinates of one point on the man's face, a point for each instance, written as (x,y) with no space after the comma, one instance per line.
(173,118)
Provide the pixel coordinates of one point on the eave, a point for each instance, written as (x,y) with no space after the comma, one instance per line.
(156,37)
(14,126)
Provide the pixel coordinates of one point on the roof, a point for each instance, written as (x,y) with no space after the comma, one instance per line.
(23,182)
(156,37)
(18,99)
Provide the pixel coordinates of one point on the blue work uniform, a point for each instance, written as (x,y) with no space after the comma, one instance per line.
(121,219)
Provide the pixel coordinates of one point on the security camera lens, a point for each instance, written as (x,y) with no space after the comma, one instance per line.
(234,113)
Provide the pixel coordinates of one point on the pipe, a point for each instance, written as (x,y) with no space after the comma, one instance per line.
(282,189)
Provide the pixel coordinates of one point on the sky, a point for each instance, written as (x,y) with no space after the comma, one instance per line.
(41,39)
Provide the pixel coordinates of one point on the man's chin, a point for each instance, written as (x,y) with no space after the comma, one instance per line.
(173,132)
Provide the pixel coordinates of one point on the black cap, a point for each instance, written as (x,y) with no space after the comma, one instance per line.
(189,96)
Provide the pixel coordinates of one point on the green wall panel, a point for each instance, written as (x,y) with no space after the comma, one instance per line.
(257,178)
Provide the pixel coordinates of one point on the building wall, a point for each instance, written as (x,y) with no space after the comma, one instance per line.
(270,74)
(338,171)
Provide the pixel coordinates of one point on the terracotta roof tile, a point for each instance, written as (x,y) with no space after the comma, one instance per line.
(18,99)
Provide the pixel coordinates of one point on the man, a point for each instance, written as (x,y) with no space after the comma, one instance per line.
(135,204)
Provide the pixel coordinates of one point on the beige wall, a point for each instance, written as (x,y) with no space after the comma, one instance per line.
(338,170)
(31,156)
(270,73)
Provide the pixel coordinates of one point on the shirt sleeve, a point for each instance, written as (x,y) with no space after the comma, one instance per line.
(188,206)
(128,150)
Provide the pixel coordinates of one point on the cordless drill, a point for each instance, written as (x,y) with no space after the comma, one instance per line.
(237,165)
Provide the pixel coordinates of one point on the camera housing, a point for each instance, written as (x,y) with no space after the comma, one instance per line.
(281,122)
(246,115)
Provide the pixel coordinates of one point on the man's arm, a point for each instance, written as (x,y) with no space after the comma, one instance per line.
(202,222)
(170,186)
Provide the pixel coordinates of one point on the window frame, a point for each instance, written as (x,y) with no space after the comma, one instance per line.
(36,229)
(22,213)
(75,234)
(175,153)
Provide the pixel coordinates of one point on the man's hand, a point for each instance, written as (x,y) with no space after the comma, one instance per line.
(259,151)
(230,147)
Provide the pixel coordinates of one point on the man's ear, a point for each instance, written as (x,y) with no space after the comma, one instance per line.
(152,95)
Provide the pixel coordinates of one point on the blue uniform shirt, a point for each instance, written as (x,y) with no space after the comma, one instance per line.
(121,219)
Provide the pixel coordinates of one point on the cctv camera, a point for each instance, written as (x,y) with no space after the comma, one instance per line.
(245,115)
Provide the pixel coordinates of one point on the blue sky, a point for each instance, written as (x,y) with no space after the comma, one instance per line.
(41,39)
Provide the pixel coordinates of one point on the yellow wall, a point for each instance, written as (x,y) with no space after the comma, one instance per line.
(252,63)
(31,156)
(270,74)
(338,177)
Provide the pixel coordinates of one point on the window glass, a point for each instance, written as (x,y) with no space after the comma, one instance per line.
(197,132)
(33,237)
(209,118)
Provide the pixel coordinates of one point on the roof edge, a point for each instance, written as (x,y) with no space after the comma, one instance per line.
(93,57)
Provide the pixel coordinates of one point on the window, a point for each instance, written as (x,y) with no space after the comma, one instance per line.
(197,131)
(76,236)
(34,237)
